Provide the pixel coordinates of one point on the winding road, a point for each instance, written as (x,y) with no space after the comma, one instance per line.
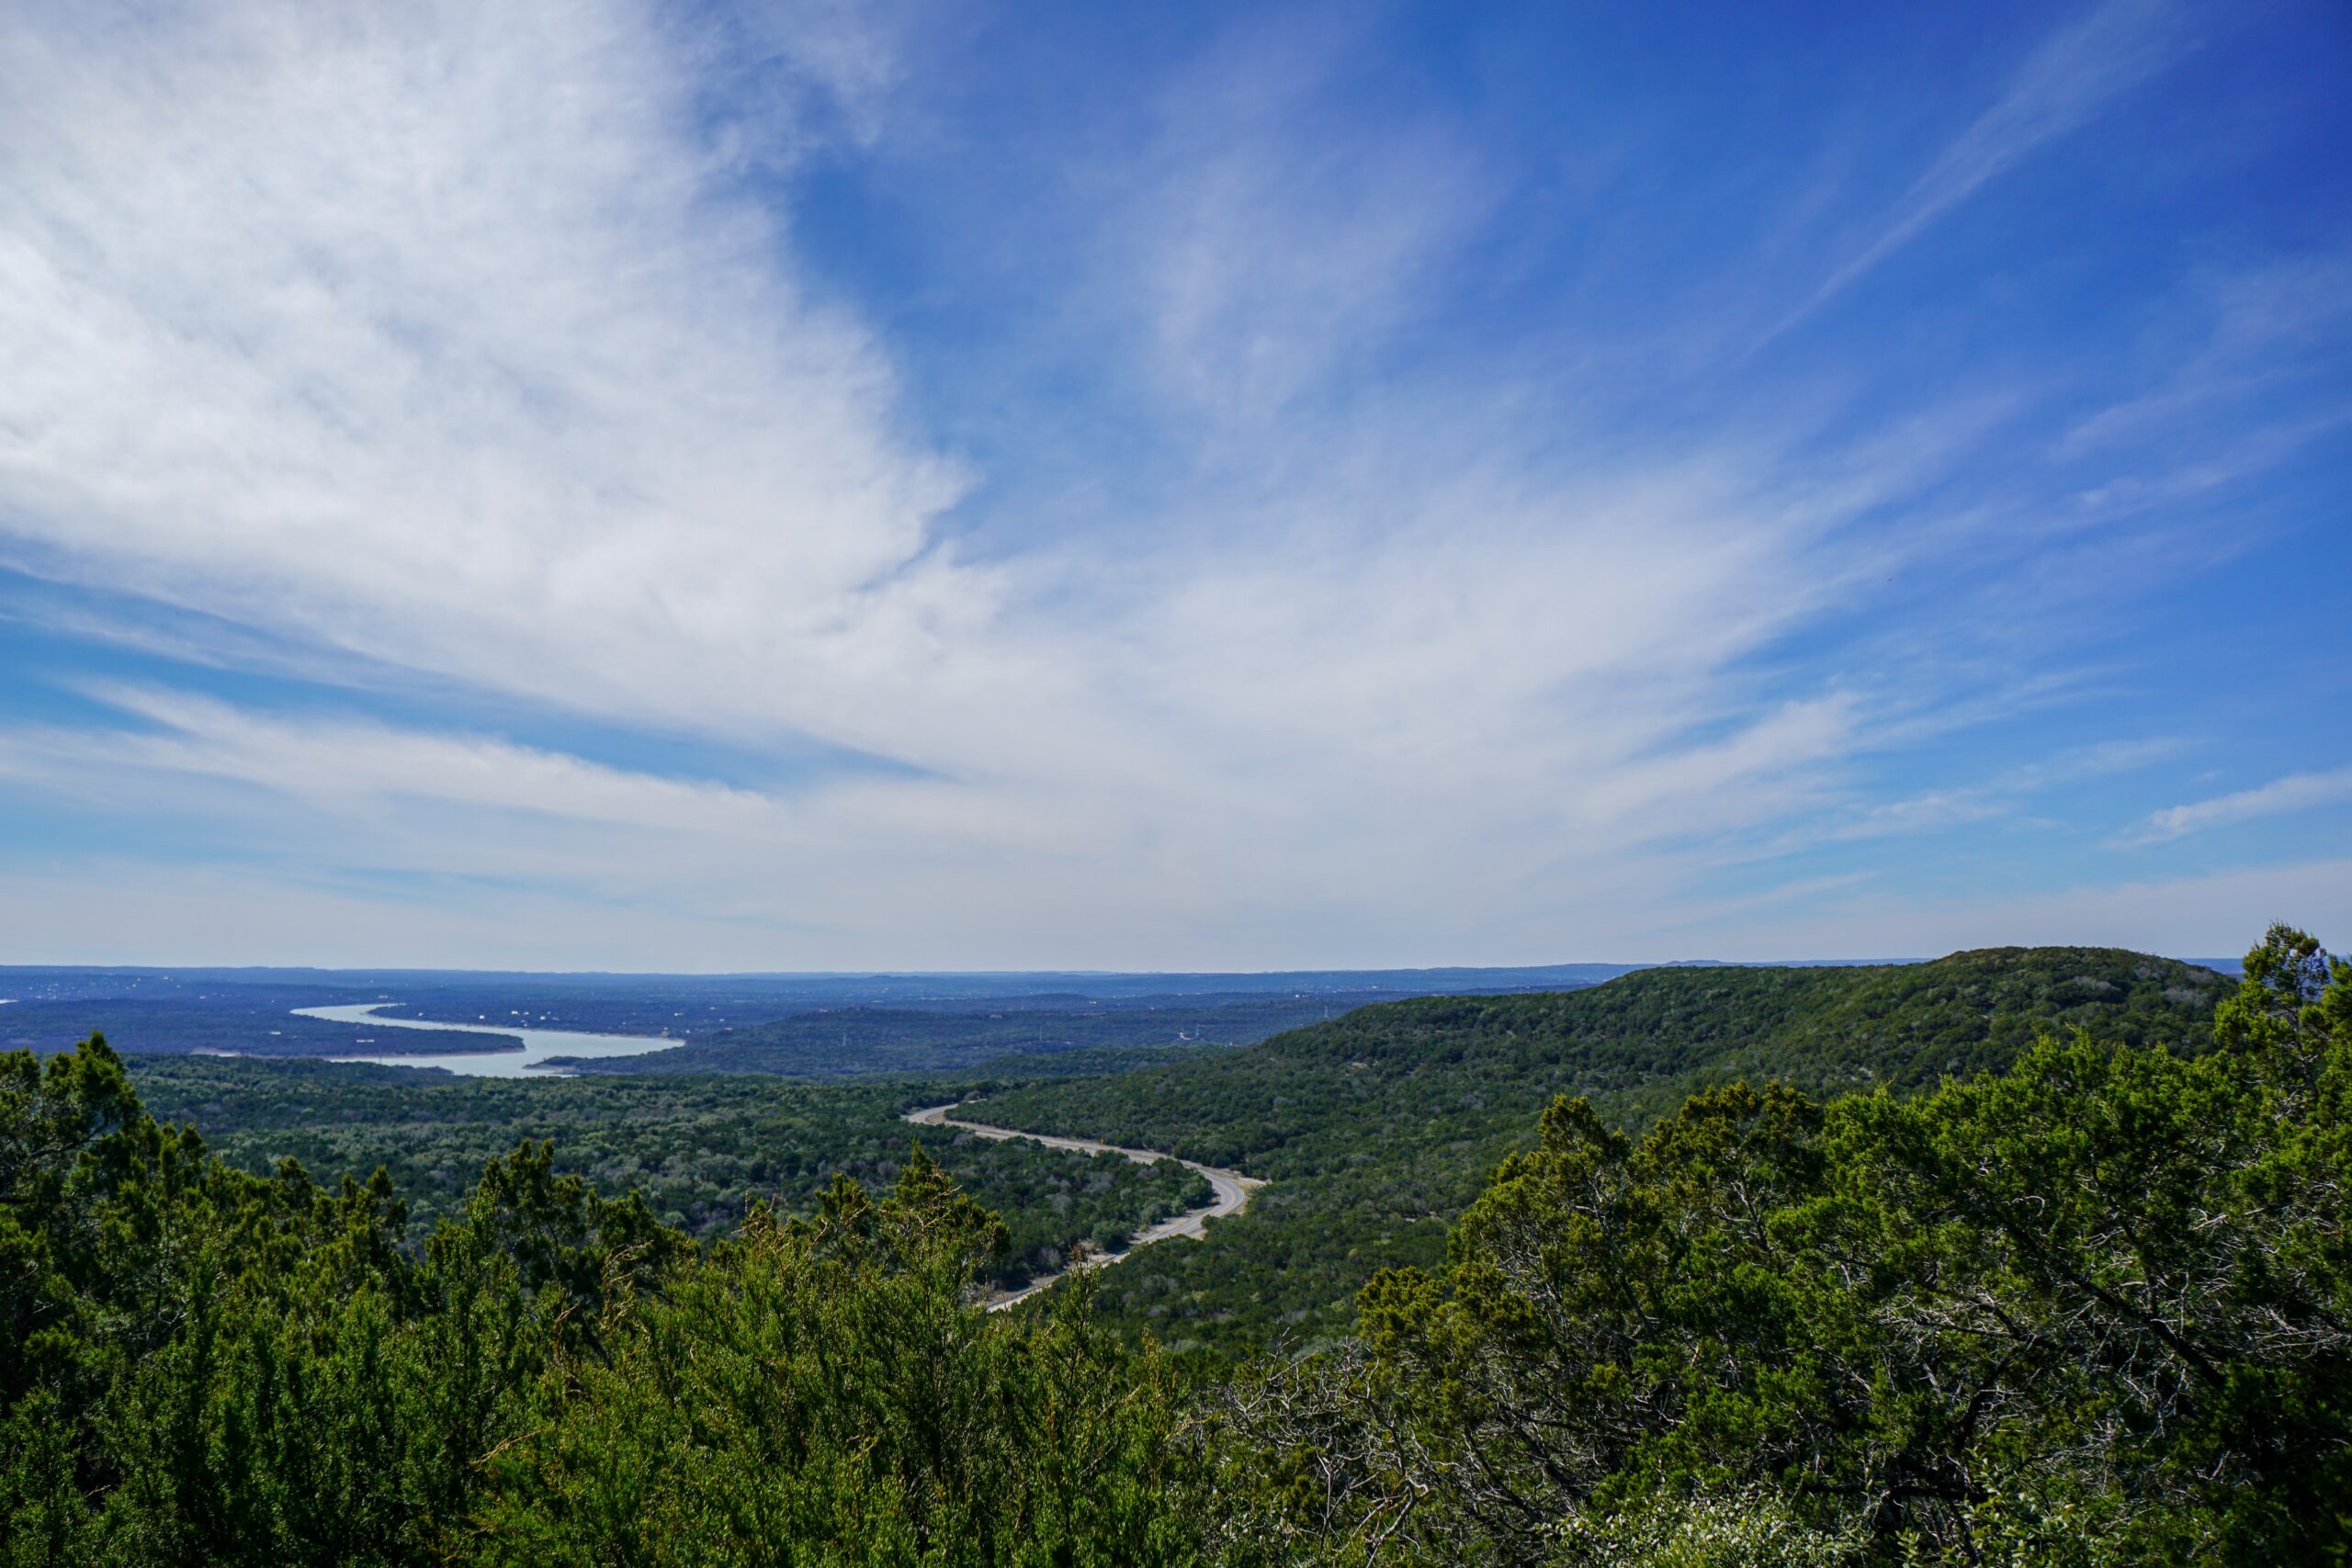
(1231,1188)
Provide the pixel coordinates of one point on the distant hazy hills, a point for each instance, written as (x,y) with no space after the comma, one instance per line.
(825,1025)
(807,1025)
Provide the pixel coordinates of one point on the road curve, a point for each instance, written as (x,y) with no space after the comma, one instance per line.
(1231,1188)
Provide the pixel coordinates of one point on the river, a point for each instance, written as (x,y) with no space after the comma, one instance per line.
(538,1045)
(1229,1191)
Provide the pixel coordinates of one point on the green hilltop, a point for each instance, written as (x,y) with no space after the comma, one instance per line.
(1379,1126)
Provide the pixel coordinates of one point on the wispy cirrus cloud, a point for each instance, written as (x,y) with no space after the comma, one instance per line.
(445,338)
(456,348)
(2274,329)
(1946,807)
(2074,74)
(1280,242)
(336,761)
(473,374)
(2296,792)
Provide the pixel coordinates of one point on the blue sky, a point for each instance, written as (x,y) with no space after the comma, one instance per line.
(580,484)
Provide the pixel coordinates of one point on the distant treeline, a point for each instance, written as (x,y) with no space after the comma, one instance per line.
(854,1042)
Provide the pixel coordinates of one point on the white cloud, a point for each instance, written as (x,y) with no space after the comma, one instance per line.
(131,911)
(431,333)
(453,345)
(2074,74)
(1937,809)
(1277,245)
(339,763)
(2268,328)
(2296,792)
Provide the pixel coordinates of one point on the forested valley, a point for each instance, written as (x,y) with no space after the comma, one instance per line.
(2026,1256)
(1379,1128)
(701,1152)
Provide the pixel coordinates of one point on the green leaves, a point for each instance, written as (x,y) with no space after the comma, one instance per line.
(828,1392)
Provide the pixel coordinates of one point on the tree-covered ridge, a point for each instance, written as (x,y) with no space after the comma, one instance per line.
(701,1152)
(1905,1025)
(1377,1127)
(2097,1308)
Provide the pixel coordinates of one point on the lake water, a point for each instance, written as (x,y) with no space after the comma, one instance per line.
(538,1045)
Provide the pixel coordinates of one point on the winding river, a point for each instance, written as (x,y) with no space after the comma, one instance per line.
(1231,1192)
(539,1045)
(1230,1189)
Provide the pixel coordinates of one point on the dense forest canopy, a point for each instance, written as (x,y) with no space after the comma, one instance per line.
(701,1152)
(1378,1127)
(2086,1300)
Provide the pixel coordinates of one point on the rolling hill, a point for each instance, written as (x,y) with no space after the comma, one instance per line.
(1378,1127)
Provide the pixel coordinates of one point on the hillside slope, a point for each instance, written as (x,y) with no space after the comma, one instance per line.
(1377,1127)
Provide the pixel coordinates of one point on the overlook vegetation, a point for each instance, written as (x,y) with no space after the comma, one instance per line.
(2087,1302)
